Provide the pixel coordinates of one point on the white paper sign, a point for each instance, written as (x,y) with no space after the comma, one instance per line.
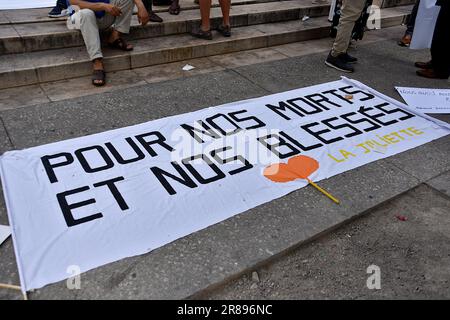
(5,232)
(425,22)
(100,198)
(426,100)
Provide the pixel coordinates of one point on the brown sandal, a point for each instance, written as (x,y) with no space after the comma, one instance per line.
(120,44)
(100,77)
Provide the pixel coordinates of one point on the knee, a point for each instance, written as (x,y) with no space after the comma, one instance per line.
(126,5)
(86,15)
(130,5)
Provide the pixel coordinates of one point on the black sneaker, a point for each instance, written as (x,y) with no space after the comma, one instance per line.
(338,63)
(224,30)
(199,33)
(349,58)
(60,10)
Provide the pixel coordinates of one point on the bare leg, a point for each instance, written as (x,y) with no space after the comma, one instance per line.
(113,36)
(225,7)
(98,64)
(205,9)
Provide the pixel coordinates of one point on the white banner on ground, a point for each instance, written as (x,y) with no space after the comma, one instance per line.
(100,198)
(5,232)
(426,100)
(26,4)
(424,26)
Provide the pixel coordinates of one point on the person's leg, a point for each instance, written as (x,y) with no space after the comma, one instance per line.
(162,2)
(225,27)
(122,23)
(412,19)
(225,6)
(152,15)
(175,7)
(204,31)
(406,39)
(440,53)
(350,12)
(338,58)
(90,32)
(205,9)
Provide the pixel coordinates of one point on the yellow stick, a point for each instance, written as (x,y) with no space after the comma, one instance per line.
(11,286)
(323,191)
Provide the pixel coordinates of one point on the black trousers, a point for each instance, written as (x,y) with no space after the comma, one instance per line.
(412,19)
(440,47)
(148,3)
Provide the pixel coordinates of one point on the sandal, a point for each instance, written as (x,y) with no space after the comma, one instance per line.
(199,33)
(175,10)
(120,44)
(224,30)
(98,78)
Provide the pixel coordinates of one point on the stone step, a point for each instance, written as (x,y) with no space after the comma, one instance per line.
(40,14)
(392,3)
(28,37)
(395,3)
(50,65)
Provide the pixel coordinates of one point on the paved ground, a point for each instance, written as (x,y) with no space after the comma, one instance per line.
(413,257)
(211,256)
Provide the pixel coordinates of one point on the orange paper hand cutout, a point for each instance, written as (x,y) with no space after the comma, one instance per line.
(303,166)
(298,167)
(279,172)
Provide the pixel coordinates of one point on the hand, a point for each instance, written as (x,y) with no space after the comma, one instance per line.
(112,9)
(142,15)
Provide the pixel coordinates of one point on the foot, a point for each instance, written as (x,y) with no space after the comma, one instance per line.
(201,34)
(174,8)
(405,41)
(98,75)
(348,58)
(58,11)
(224,30)
(154,17)
(430,74)
(121,44)
(339,63)
(423,65)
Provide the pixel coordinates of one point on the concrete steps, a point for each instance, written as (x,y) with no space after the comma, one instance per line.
(40,15)
(30,30)
(38,36)
(57,64)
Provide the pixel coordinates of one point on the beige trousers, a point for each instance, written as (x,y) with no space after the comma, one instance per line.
(90,25)
(350,12)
